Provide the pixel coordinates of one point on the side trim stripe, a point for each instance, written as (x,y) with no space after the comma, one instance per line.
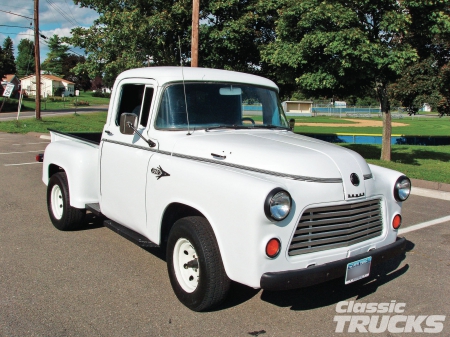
(241,167)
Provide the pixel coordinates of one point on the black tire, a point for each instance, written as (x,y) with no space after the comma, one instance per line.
(63,216)
(213,282)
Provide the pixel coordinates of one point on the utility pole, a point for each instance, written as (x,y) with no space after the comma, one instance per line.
(37,59)
(194,38)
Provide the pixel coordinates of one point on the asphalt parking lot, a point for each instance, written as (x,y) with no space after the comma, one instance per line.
(93,282)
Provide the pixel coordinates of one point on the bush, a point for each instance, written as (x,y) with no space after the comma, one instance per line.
(101,94)
(81,103)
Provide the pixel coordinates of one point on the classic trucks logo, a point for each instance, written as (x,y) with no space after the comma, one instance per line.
(376,318)
(159,172)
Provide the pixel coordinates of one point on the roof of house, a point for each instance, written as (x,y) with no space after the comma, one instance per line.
(8,78)
(50,77)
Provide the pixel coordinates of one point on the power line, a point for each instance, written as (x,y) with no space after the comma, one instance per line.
(15,26)
(26,17)
(61,12)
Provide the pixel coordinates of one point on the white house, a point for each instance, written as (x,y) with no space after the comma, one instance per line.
(50,86)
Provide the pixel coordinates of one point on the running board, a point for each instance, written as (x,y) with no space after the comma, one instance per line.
(94,208)
(130,234)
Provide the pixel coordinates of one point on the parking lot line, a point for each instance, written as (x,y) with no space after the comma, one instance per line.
(36,162)
(424,225)
(21,152)
(33,143)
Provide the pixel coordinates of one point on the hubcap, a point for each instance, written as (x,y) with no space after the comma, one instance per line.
(57,202)
(185,263)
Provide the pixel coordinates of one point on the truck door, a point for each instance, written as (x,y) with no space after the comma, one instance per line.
(125,158)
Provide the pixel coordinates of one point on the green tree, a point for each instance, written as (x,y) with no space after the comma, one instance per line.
(53,64)
(82,80)
(2,73)
(9,65)
(25,58)
(338,48)
(132,34)
(139,33)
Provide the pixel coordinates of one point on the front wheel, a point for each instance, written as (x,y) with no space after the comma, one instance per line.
(194,264)
(63,216)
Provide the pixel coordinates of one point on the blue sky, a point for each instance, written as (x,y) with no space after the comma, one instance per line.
(55,16)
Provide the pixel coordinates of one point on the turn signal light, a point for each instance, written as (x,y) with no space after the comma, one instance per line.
(40,157)
(273,248)
(397,221)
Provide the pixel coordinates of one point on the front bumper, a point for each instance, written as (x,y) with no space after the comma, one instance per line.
(293,279)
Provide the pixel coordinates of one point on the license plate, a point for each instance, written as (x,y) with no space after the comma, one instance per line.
(358,269)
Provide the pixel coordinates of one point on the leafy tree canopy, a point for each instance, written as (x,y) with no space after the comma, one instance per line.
(25,58)
(138,33)
(53,64)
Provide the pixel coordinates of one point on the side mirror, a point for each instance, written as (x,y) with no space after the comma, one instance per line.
(125,119)
(292,123)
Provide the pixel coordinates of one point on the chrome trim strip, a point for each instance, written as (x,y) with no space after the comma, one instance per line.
(241,167)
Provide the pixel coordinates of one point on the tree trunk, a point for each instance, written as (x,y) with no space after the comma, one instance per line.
(387,127)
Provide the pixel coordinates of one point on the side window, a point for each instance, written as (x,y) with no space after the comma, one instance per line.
(131,96)
(146,106)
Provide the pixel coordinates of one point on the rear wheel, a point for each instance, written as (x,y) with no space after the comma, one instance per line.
(194,264)
(63,216)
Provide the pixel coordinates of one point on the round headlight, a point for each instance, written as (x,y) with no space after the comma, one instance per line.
(278,204)
(402,188)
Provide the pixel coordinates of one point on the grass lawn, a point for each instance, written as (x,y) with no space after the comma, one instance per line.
(415,126)
(85,122)
(47,104)
(421,162)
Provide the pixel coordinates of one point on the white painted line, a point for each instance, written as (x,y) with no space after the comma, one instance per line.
(45,137)
(21,152)
(33,143)
(423,192)
(36,162)
(424,225)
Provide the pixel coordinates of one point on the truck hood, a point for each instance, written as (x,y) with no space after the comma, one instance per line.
(281,153)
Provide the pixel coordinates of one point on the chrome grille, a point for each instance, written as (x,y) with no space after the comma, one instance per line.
(322,228)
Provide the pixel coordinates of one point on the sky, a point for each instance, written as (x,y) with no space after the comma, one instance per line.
(55,17)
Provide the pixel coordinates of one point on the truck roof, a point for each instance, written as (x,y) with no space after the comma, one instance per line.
(165,75)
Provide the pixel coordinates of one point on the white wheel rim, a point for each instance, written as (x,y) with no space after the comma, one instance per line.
(183,253)
(57,202)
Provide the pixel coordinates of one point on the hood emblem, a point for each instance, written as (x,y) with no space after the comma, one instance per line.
(159,172)
(354,179)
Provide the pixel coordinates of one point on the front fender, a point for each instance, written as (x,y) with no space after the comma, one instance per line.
(80,162)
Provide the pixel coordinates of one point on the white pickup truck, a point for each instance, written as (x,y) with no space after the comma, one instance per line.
(204,164)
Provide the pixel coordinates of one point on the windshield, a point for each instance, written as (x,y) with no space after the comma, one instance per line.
(213,105)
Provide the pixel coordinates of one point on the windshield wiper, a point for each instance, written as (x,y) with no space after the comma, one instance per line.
(269,126)
(236,127)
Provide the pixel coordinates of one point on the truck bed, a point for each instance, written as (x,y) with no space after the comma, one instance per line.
(90,137)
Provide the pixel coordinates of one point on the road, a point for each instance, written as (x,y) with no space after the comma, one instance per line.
(93,282)
(5,116)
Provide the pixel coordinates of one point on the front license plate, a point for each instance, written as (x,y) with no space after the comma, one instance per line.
(358,269)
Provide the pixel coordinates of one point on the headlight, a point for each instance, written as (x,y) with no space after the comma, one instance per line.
(402,188)
(277,205)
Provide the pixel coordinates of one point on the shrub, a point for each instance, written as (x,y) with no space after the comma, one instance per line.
(81,103)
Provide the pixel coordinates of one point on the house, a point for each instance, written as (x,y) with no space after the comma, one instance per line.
(11,79)
(50,86)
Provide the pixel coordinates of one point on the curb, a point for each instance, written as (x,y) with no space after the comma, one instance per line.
(430,185)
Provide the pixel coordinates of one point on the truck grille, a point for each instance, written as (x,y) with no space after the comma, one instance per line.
(322,228)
